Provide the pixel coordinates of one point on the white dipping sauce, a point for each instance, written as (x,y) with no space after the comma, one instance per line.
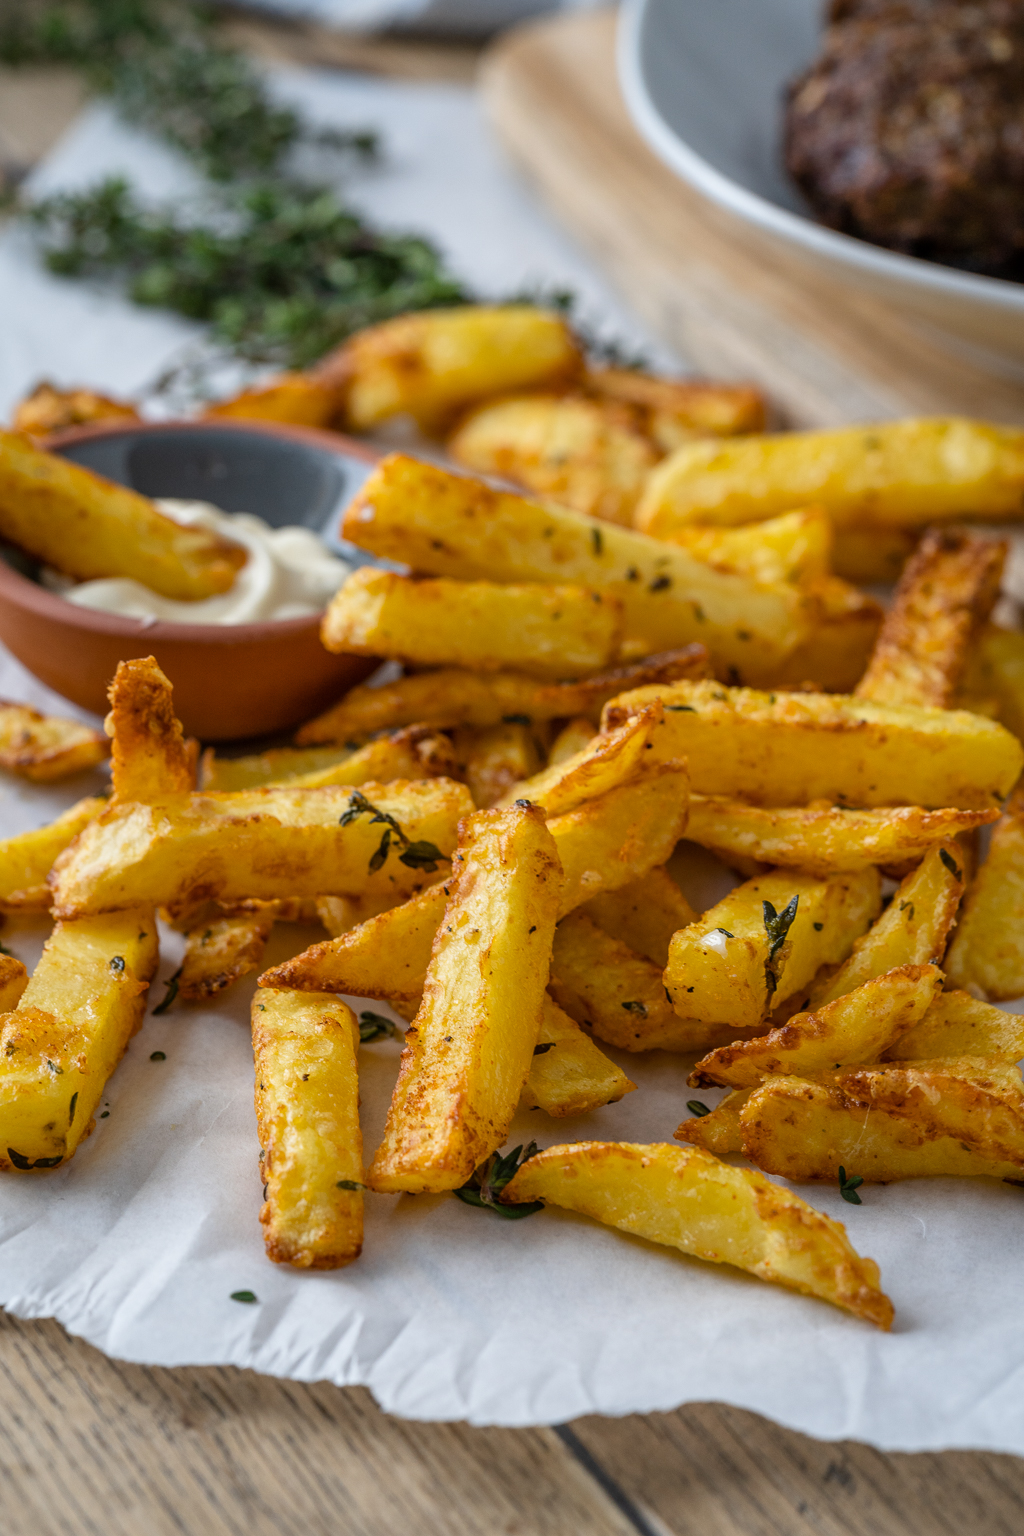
(289,574)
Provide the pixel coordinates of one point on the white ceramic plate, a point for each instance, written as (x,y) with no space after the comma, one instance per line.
(704,82)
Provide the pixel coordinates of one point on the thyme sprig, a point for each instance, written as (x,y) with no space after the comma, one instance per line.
(487,1183)
(418,855)
(776,926)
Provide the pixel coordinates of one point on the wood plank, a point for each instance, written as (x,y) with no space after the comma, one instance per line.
(728,298)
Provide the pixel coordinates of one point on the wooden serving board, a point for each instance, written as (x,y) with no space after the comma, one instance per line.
(733,301)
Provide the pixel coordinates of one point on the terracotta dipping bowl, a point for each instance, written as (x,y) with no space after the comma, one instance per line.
(230,680)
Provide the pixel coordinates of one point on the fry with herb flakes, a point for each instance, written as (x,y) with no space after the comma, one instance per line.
(717,1130)
(795,547)
(26,860)
(572,738)
(606,761)
(857,1027)
(687,1199)
(150,756)
(44,748)
(645,914)
(221,951)
(764,942)
(469,1049)
(307,1112)
(61,1043)
(494,758)
(569,1075)
(988,947)
(957,1024)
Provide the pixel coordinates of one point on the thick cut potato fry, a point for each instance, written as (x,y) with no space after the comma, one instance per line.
(587,454)
(308,842)
(13,981)
(44,747)
(687,1199)
(221,951)
(307,1112)
(674,407)
(293,397)
(26,860)
(993,679)
(449,525)
(765,941)
(386,956)
(340,914)
(794,547)
(957,1024)
(546,631)
(912,931)
(898,474)
(872,554)
(431,364)
(151,757)
(68,1033)
(792,748)
(569,1075)
(494,758)
(572,738)
(48,409)
(821,838)
(644,914)
(857,1027)
(839,646)
(718,1131)
(87,526)
(415,752)
(604,763)
(470,1047)
(947,590)
(915,1120)
(609,988)
(452,697)
(988,947)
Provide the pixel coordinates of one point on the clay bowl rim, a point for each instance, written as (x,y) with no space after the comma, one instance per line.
(29,594)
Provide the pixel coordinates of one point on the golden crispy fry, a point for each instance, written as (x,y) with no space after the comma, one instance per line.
(993,679)
(87,526)
(947,590)
(453,697)
(386,956)
(912,931)
(547,631)
(470,1047)
(988,947)
(13,981)
(644,914)
(586,454)
(604,763)
(898,474)
(839,646)
(68,1033)
(718,1131)
(916,1120)
(872,554)
(792,748)
(857,1027)
(572,738)
(957,1024)
(231,846)
(449,525)
(569,1075)
(48,409)
(765,941)
(431,364)
(674,407)
(293,397)
(415,752)
(307,1113)
(151,757)
(44,747)
(821,838)
(26,860)
(794,547)
(221,951)
(340,914)
(687,1199)
(496,757)
(609,988)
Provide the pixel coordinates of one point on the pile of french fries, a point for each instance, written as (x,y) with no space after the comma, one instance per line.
(496,842)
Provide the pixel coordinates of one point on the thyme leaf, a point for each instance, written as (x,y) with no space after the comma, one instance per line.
(776,926)
(172,991)
(421,855)
(696,1107)
(950,863)
(487,1183)
(374,1026)
(848,1187)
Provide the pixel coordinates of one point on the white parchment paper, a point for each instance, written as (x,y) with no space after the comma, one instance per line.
(451,1312)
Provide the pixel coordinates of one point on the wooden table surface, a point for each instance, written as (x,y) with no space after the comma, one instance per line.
(94,1446)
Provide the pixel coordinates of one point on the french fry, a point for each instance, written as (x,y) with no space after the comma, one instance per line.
(839,646)
(414,752)
(224,847)
(572,738)
(470,1047)
(993,678)
(718,1130)
(912,931)
(48,409)
(13,981)
(794,547)
(911,1120)
(340,914)
(496,757)
(587,454)
(988,947)
(292,397)
(87,526)
(452,697)
(44,747)
(26,860)
(221,951)
(547,631)
(765,941)
(687,1199)
(61,1043)
(872,554)
(792,748)
(604,763)
(448,525)
(856,1027)
(644,914)
(957,1024)
(947,590)
(820,838)
(307,1112)
(431,364)
(677,406)
(569,1075)
(897,474)
(150,756)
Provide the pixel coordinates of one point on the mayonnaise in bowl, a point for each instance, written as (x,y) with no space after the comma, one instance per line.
(289,574)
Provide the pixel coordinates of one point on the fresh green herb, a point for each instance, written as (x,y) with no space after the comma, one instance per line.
(848,1187)
(57,1071)
(776,926)
(681,709)
(697,1108)
(818,927)
(349,1184)
(491,1178)
(542,1050)
(25,1163)
(105,1115)
(117,963)
(727,934)
(636,1007)
(950,863)
(660,584)
(374,1026)
(172,991)
(158,1055)
(904,906)
(597,540)
(517,719)
(378,859)
(246,1296)
(421,855)
(5,951)
(71,1110)
(358,805)
(698,613)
